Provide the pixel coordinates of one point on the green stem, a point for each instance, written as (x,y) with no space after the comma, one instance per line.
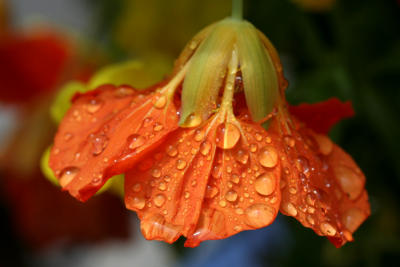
(237,9)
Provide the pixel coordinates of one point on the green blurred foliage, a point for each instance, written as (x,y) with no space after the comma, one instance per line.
(351,51)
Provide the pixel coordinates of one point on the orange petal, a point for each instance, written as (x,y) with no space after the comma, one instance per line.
(322,187)
(167,188)
(105,132)
(322,116)
(243,189)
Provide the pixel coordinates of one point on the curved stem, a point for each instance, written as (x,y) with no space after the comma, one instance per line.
(237,9)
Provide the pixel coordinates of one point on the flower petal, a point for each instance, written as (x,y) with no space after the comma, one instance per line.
(322,187)
(167,188)
(105,132)
(243,189)
(322,116)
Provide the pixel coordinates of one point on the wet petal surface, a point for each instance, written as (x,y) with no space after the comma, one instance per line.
(105,132)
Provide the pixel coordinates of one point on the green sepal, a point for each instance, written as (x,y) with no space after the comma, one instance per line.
(260,79)
(206,73)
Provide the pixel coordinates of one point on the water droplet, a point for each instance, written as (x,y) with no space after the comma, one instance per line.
(292,190)
(231,196)
(239,211)
(162,186)
(289,141)
(192,45)
(265,184)
(253,148)
(205,148)
(324,143)
(77,115)
(67,136)
(93,106)
(350,182)
(96,181)
(124,91)
(193,121)
(147,122)
(180,164)
(228,135)
(310,220)
(327,229)
(222,203)
(137,188)
(259,215)
(158,127)
(258,137)
(310,200)
(187,195)
(99,143)
(199,135)
(268,140)
(352,219)
(303,165)
(138,202)
(216,171)
(156,173)
(159,200)
(235,179)
(136,141)
(242,156)
(172,151)
(67,175)
(268,157)
(237,228)
(290,209)
(211,191)
(160,102)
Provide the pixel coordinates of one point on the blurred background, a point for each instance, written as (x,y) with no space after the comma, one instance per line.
(348,49)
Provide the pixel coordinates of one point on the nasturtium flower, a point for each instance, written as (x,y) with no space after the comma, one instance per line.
(213,150)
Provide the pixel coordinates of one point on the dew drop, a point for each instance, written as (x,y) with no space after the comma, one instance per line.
(228,136)
(67,175)
(193,120)
(93,106)
(253,148)
(265,184)
(147,122)
(239,211)
(158,127)
(327,229)
(216,171)
(237,228)
(258,137)
(180,164)
(222,203)
(156,173)
(138,202)
(211,191)
(350,182)
(187,195)
(242,156)
(290,209)
(205,148)
(199,135)
(235,179)
(231,196)
(96,181)
(160,102)
(99,143)
(159,200)
(124,91)
(67,136)
(310,220)
(172,151)
(268,157)
(259,215)
(136,141)
(137,188)
(162,186)
(289,141)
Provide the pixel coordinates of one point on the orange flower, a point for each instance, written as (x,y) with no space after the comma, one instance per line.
(213,150)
